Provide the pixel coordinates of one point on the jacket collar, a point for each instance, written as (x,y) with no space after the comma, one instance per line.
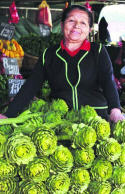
(85,46)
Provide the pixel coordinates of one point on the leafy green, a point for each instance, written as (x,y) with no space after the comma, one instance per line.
(45,140)
(20,149)
(84,136)
(121,160)
(62,159)
(119,131)
(51,117)
(7,169)
(83,157)
(58,183)
(96,187)
(118,176)
(110,149)
(8,186)
(119,190)
(38,105)
(31,187)
(59,106)
(73,116)
(101,126)
(80,179)
(37,170)
(87,113)
(101,169)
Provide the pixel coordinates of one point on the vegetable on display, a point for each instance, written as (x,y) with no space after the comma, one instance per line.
(51,149)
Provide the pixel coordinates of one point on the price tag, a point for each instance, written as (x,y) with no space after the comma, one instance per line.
(44,30)
(14,86)
(11,66)
(6,31)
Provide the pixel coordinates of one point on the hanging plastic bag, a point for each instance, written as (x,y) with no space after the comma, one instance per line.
(88,6)
(14,17)
(44,14)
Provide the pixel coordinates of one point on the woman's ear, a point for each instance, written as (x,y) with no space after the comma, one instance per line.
(90,30)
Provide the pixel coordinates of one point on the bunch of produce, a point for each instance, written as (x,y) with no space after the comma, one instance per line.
(34,44)
(11,48)
(49,149)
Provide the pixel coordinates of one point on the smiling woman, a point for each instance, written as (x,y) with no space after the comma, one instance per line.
(77,71)
(76,29)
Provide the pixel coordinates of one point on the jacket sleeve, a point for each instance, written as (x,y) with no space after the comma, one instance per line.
(28,90)
(106,78)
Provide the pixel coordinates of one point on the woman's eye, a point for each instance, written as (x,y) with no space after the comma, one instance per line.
(71,20)
(83,23)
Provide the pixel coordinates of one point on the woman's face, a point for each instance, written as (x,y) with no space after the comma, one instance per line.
(76,26)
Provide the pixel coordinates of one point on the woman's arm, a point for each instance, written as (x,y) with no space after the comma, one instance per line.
(106,78)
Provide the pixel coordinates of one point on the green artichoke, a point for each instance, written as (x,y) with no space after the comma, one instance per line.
(101,169)
(45,140)
(58,183)
(20,149)
(61,159)
(37,170)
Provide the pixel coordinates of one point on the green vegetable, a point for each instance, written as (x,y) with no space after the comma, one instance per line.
(29,126)
(58,183)
(87,113)
(59,106)
(20,149)
(19,119)
(110,149)
(3,140)
(7,169)
(73,116)
(101,169)
(64,130)
(6,129)
(38,105)
(101,126)
(45,140)
(118,177)
(62,159)
(84,136)
(121,160)
(31,187)
(52,117)
(119,131)
(119,190)
(83,157)
(96,187)
(45,90)
(80,179)
(8,186)
(37,170)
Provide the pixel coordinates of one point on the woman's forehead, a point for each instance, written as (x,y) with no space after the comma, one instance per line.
(78,12)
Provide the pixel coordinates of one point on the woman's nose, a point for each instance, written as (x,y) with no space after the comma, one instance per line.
(77,24)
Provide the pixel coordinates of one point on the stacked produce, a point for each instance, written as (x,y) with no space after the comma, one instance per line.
(11,48)
(49,149)
(35,44)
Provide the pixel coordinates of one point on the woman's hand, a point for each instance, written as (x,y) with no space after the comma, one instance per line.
(116,115)
(3,116)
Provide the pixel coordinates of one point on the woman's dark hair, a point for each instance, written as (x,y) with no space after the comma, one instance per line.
(72,7)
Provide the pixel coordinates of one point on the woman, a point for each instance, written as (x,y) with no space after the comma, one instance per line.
(78,71)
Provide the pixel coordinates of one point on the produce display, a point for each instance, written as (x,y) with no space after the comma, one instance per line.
(34,44)
(49,149)
(11,48)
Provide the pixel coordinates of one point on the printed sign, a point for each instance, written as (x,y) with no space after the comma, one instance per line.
(14,86)
(6,31)
(11,66)
(44,30)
